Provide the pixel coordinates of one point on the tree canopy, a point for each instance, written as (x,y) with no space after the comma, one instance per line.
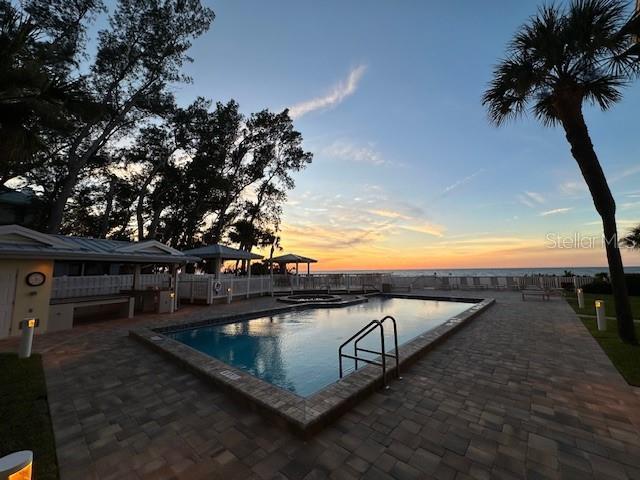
(103,143)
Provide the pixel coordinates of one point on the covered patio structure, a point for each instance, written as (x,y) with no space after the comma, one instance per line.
(283,260)
(215,255)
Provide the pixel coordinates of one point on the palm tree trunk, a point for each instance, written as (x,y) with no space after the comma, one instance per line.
(582,150)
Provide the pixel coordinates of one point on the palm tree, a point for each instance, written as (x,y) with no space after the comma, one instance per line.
(561,59)
(632,239)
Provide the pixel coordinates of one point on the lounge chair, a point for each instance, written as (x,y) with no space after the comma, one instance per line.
(464,284)
(444,283)
(500,283)
(512,284)
(533,291)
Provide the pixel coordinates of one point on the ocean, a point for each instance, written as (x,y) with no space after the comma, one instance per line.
(489,272)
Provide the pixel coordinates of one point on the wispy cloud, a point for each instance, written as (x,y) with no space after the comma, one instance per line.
(624,223)
(410,223)
(626,173)
(390,214)
(462,181)
(530,199)
(536,197)
(425,228)
(347,151)
(555,211)
(336,95)
(573,188)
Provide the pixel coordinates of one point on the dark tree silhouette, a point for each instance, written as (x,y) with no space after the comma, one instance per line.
(632,239)
(559,60)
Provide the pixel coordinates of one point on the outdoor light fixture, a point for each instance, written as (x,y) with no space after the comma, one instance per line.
(600,316)
(28,326)
(229,295)
(580,298)
(16,466)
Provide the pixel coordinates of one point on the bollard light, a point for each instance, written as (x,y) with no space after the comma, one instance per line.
(580,298)
(229,295)
(16,466)
(600,316)
(28,326)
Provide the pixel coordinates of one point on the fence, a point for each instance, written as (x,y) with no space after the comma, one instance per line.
(88,286)
(201,287)
(196,287)
(328,282)
(421,282)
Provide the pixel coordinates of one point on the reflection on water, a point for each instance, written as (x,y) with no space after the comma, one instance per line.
(298,351)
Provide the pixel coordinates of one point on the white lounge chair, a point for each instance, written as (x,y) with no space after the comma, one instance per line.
(533,291)
(501,283)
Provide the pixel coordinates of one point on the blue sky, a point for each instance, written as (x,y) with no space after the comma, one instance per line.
(407,171)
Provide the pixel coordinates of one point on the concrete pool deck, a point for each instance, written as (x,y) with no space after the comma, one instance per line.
(522,390)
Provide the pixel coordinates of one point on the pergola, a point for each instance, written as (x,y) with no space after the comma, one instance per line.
(283,260)
(215,254)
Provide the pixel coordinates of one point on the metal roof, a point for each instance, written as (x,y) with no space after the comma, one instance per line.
(21,242)
(222,252)
(10,196)
(292,258)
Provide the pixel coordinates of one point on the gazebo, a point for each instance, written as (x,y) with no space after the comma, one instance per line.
(283,260)
(215,254)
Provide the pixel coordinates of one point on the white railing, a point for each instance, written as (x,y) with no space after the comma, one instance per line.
(90,285)
(328,282)
(202,287)
(421,282)
(68,287)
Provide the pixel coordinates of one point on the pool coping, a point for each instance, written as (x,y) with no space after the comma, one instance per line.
(304,416)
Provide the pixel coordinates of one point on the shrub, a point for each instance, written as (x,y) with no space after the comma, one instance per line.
(604,287)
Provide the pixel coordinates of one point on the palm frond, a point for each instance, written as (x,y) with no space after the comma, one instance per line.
(582,52)
(603,90)
(544,109)
(632,239)
(510,90)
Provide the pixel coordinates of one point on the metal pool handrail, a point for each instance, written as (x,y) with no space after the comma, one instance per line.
(362,333)
(396,357)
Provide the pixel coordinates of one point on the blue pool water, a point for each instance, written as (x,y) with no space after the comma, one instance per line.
(298,350)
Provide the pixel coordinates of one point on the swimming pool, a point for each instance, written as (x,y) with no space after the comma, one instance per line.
(298,350)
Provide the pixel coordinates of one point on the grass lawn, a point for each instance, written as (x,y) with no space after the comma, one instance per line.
(626,358)
(24,411)
(609,306)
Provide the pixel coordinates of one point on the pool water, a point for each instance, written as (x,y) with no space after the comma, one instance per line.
(298,350)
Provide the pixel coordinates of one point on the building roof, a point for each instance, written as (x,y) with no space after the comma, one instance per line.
(292,258)
(20,242)
(10,196)
(222,252)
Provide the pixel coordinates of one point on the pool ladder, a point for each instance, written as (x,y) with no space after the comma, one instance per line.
(372,326)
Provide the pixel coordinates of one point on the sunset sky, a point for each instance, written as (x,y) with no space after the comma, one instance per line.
(407,172)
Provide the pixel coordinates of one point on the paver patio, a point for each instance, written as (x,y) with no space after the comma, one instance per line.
(522,391)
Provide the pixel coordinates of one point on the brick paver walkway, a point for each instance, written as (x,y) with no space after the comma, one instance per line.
(523,391)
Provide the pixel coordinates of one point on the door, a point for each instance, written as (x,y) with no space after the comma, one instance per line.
(7,296)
